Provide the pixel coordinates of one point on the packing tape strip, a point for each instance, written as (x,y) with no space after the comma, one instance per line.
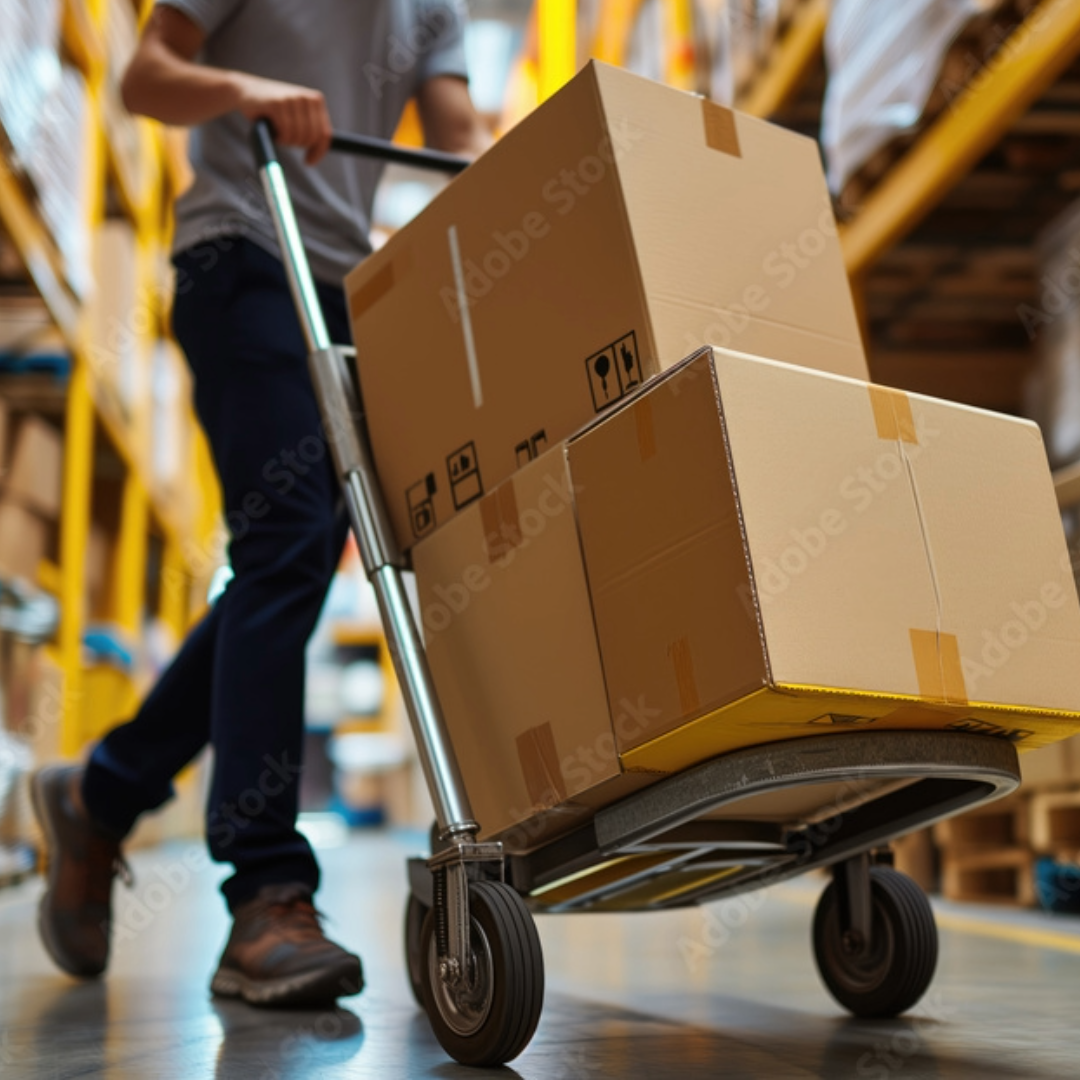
(500,522)
(937,666)
(646,429)
(892,415)
(539,759)
(682,661)
(381,282)
(720,130)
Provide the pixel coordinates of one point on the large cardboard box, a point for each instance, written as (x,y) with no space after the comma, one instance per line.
(510,639)
(619,227)
(35,475)
(774,552)
(745,552)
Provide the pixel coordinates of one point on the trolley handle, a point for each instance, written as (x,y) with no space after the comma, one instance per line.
(262,136)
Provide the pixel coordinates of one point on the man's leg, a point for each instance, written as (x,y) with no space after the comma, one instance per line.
(282,499)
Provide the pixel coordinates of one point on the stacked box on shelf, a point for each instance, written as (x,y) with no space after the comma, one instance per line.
(31,456)
(171,434)
(119,320)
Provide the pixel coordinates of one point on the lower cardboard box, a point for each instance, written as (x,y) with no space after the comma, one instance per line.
(745,552)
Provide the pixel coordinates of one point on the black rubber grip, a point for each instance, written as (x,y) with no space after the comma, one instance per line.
(262,141)
(368,146)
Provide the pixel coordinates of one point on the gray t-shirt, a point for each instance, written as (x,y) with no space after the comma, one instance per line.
(368,57)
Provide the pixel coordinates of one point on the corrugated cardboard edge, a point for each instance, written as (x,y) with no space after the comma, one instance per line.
(647,350)
(759,617)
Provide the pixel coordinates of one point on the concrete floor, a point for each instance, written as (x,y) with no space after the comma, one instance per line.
(727,991)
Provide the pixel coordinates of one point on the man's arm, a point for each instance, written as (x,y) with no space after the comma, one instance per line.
(164,82)
(449,118)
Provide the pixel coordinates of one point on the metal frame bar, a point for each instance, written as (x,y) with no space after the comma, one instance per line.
(948,773)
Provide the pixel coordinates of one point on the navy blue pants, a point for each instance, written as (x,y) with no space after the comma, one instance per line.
(238,681)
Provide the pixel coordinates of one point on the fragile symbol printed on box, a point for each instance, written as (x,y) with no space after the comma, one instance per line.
(530,448)
(421,506)
(614,371)
(842,719)
(464,471)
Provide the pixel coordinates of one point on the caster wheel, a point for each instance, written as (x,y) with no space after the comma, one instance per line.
(889,976)
(416,911)
(490,1016)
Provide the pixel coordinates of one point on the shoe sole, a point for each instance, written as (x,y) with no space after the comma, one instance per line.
(43,811)
(320,987)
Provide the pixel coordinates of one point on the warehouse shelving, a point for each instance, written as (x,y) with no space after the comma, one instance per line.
(790,63)
(91,423)
(1036,54)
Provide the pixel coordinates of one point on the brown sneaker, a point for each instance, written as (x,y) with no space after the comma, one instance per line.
(277,953)
(75,916)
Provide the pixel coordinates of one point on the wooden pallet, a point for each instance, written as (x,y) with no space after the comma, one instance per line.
(992,876)
(1001,825)
(1055,824)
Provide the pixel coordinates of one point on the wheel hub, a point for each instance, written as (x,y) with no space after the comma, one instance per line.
(464,997)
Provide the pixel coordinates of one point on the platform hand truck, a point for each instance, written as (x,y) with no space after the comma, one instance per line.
(472,949)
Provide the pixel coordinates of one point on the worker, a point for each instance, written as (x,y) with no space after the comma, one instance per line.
(237,683)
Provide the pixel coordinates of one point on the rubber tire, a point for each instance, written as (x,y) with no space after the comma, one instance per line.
(416,912)
(906,947)
(517,974)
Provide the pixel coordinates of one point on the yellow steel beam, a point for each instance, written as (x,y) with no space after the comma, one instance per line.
(613,32)
(790,61)
(74,536)
(679,69)
(1036,53)
(82,38)
(556,44)
(48,577)
(175,581)
(129,576)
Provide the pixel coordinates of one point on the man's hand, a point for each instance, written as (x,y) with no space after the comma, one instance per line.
(164,82)
(299,115)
